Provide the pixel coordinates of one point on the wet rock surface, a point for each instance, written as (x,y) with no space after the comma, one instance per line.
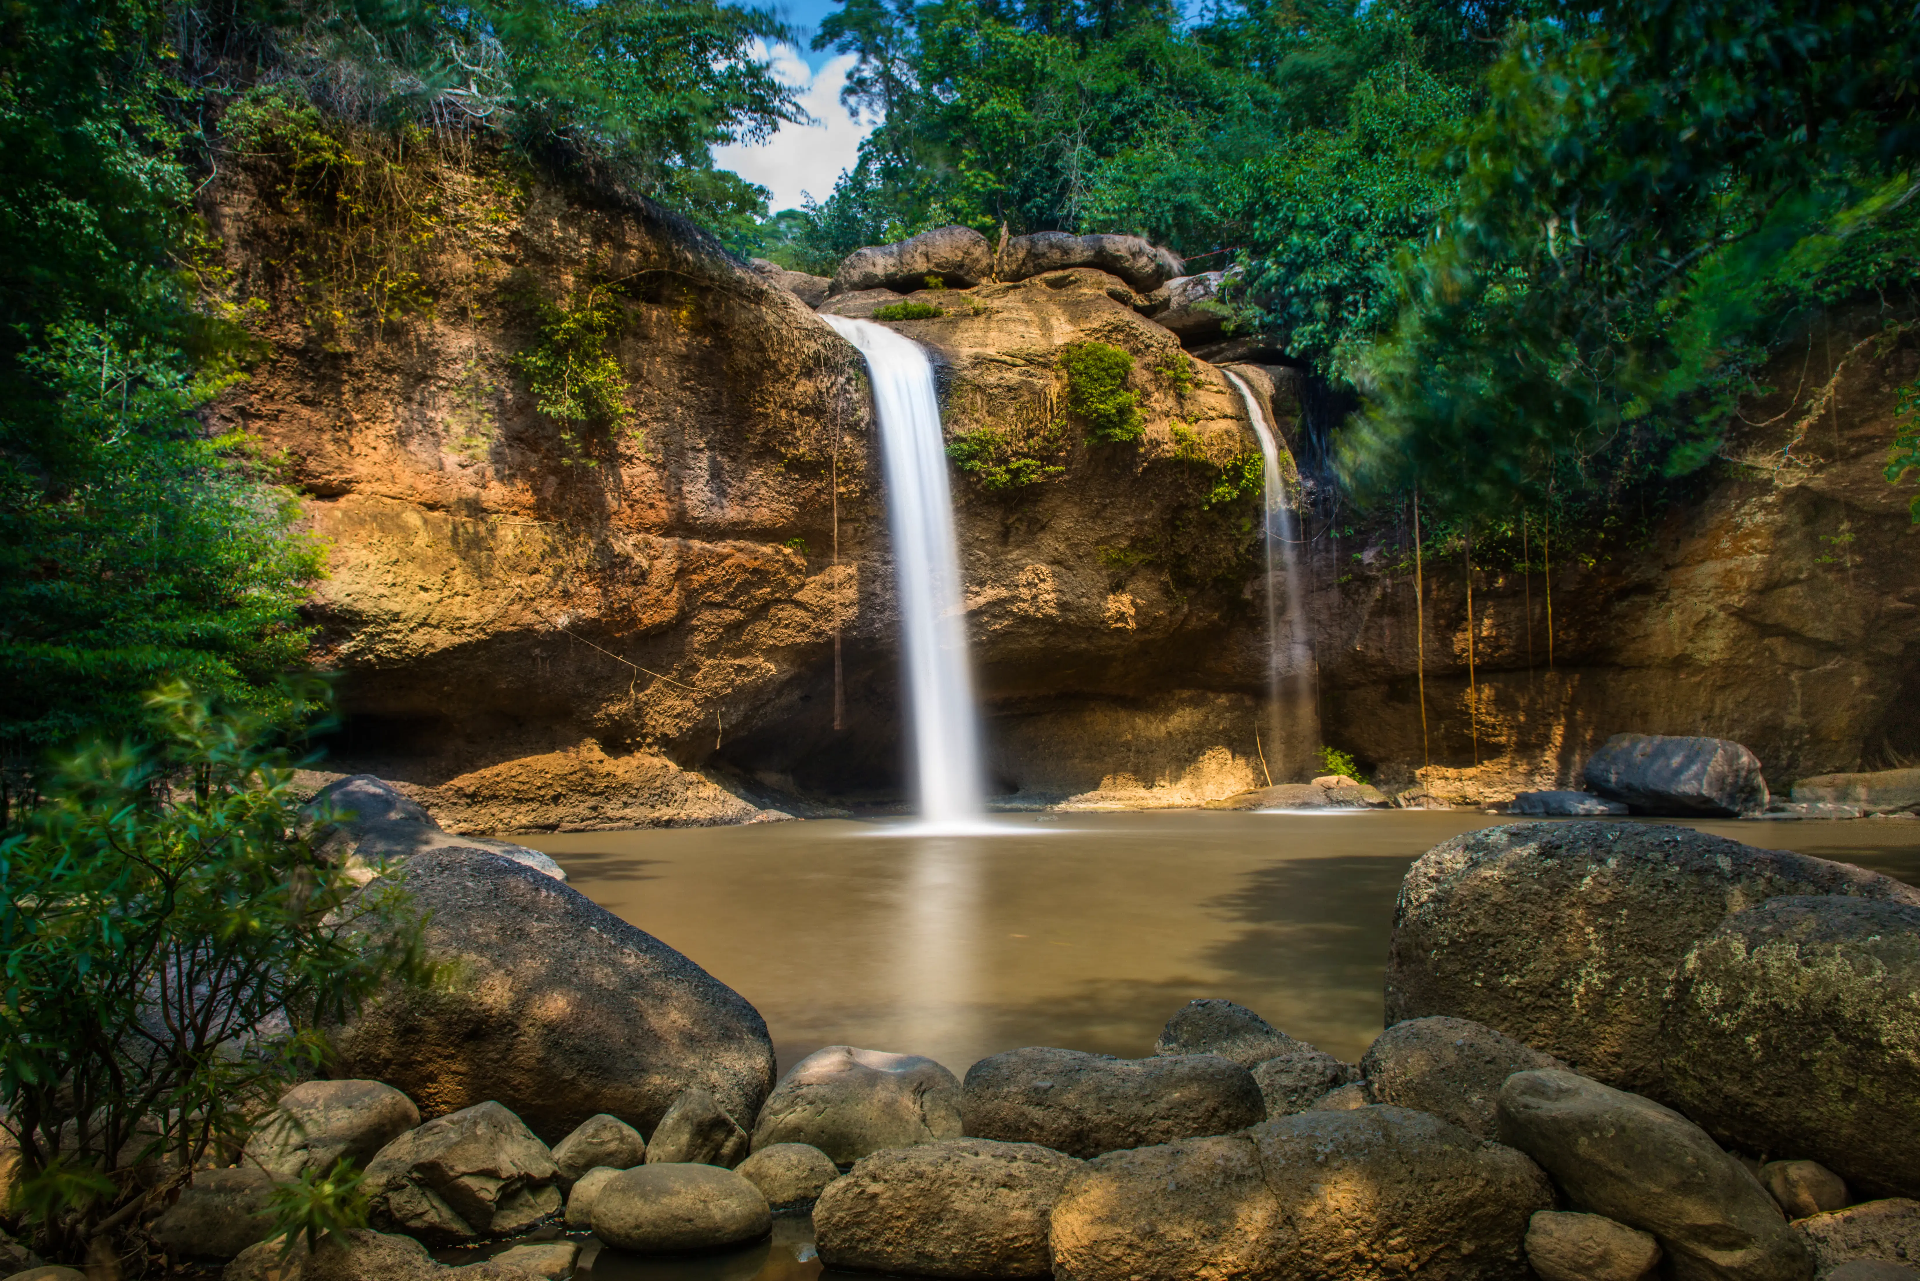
(1646,1166)
(961,1208)
(1667,774)
(1345,1196)
(1228,1030)
(1793,1028)
(1453,1068)
(697,1129)
(848,1102)
(600,1140)
(1564,1246)
(1886,1231)
(476,1173)
(319,1122)
(670,1209)
(1086,1104)
(789,1174)
(1566,936)
(549,987)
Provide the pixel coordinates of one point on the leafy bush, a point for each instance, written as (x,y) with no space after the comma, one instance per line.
(575,379)
(1242,476)
(1335,761)
(997,462)
(1097,392)
(907,311)
(171,945)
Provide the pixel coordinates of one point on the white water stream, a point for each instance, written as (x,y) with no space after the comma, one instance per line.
(926,558)
(1293,710)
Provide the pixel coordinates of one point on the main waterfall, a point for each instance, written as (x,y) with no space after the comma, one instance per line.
(926,559)
(1293,706)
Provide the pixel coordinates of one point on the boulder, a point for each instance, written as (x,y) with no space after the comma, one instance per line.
(1662,774)
(1191,307)
(1588,1247)
(600,1140)
(557,1009)
(789,1175)
(1452,1068)
(476,1173)
(1804,1187)
(1567,935)
(811,290)
(1086,1104)
(1791,1029)
(1892,791)
(848,1102)
(1646,1166)
(959,256)
(1142,265)
(581,1196)
(1223,1028)
(1564,805)
(1336,1196)
(1294,1082)
(697,1129)
(320,1122)
(1345,1099)
(961,1208)
(366,821)
(669,1209)
(553,1260)
(861,303)
(218,1215)
(1887,1231)
(357,1254)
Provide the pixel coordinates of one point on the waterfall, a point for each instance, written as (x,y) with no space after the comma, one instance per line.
(1293,711)
(926,559)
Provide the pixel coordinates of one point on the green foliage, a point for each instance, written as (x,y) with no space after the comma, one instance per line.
(1242,476)
(310,1209)
(1335,761)
(998,463)
(575,376)
(907,311)
(798,545)
(1906,440)
(1187,445)
(1097,392)
(159,912)
(1177,369)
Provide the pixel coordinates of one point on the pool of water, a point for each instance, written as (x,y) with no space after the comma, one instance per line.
(1079,930)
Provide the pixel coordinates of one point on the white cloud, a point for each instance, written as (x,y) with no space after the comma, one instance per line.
(802,159)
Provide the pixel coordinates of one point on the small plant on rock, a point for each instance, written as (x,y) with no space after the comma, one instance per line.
(1335,761)
(1097,392)
(908,311)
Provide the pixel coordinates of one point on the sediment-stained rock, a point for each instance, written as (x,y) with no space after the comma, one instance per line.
(1086,1104)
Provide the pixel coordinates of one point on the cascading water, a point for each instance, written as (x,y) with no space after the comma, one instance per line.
(946,736)
(1294,714)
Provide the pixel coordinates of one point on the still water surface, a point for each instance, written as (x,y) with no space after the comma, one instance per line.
(1079,930)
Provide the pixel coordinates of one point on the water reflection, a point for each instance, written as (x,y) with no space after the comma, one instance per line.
(937,947)
(787,1256)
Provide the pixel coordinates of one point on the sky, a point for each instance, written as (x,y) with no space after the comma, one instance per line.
(803,159)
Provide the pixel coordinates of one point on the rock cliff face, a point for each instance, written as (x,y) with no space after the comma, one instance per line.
(542,624)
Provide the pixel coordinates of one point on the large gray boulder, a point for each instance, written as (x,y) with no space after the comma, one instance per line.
(671,1209)
(697,1129)
(1646,1166)
(962,1208)
(1295,1081)
(600,1140)
(1891,791)
(364,821)
(320,1122)
(848,1102)
(1143,266)
(474,1174)
(1332,1196)
(1792,1030)
(959,256)
(556,1008)
(789,1175)
(1086,1104)
(1662,774)
(1567,936)
(1192,309)
(1453,1068)
(218,1215)
(1223,1028)
(1886,1231)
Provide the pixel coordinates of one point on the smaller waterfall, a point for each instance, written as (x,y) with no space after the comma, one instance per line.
(1293,709)
(926,559)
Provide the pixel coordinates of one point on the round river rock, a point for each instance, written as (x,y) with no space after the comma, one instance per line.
(1086,1104)
(670,1209)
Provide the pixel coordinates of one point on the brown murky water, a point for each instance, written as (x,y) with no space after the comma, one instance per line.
(1078,930)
